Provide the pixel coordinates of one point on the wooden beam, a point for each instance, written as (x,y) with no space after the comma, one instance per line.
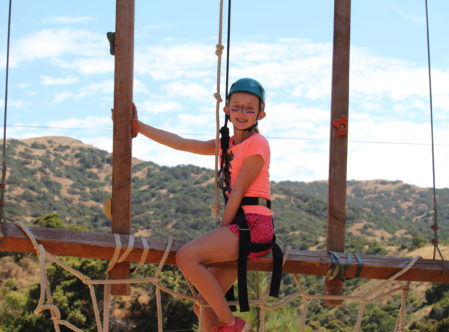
(122,147)
(339,140)
(102,245)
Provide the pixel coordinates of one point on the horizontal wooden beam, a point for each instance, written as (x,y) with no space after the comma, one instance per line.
(102,245)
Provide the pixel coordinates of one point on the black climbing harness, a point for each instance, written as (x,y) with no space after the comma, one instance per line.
(245,248)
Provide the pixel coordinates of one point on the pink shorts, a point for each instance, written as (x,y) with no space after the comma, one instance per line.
(262,231)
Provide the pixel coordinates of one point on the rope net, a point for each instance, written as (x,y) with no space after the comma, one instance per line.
(376,292)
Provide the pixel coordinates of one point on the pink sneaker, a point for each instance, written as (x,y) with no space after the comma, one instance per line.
(239,326)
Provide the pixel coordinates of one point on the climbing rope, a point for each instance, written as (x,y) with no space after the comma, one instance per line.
(5,117)
(45,300)
(45,303)
(435,209)
(375,293)
(218,52)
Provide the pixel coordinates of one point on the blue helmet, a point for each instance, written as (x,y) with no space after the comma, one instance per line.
(248,85)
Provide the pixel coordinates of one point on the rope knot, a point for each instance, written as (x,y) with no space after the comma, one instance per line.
(219,50)
(218,97)
(215,209)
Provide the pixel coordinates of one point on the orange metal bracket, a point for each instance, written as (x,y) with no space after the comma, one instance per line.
(341,124)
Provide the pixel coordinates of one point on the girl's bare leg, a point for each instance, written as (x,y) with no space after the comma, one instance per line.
(219,245)
(226,278)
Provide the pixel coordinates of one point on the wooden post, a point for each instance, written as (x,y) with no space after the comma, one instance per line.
(122,147)
(339,139)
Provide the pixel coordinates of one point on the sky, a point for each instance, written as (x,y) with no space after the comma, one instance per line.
(61,79)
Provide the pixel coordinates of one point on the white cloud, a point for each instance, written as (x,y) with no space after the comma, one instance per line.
(140,87)
(102,142)
(288,119)
(441,102)
(194,91)
(53,43)
(67,19)
(87,123)
(403,152)
(62,96)
(47,80)
(105,87)
(388,104)
(90,65)
(15,103)
(29,130)
(193,61)
(197,122)
(151,106)
(408,163)
(299,160)
(146,149)
(101,88)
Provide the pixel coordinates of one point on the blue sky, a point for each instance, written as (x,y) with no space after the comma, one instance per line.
(61,79)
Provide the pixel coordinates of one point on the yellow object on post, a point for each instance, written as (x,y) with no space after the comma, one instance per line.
(108,208)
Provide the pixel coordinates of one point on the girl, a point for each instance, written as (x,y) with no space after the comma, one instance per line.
(249,159)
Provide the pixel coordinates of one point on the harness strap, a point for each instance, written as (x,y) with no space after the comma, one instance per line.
(359,265)
(244,250)
(256,201)
(277,269)
(338,270)
(245,247)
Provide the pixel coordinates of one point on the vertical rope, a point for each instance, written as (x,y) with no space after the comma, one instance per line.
(361,310)
(107,287)
(302,324)
(402,316)
(106,306)
(5,116)
(228,48)
(160,319)
(219,51)
(435,209)
(159,310)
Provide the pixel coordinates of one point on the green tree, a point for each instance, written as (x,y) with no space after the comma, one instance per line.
(50,220)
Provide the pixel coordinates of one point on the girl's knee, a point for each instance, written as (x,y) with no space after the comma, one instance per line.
(183,257)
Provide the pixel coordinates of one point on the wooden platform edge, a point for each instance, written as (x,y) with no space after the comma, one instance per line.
(102,245)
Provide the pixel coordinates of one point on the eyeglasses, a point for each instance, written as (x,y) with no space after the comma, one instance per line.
(243,109)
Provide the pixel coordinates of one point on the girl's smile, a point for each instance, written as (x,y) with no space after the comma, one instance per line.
(244,110)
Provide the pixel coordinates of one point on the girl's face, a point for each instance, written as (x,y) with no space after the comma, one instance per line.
(243,110)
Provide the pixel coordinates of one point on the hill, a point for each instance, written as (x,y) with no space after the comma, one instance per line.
(70,181)
(64,176)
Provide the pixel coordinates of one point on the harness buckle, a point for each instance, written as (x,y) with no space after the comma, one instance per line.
(263,201)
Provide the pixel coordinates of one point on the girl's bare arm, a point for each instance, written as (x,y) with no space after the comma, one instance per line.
(177,142)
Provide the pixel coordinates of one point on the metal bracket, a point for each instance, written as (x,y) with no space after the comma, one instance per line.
(341,124)
(111,38)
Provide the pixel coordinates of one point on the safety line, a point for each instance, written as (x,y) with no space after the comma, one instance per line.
(435,208)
